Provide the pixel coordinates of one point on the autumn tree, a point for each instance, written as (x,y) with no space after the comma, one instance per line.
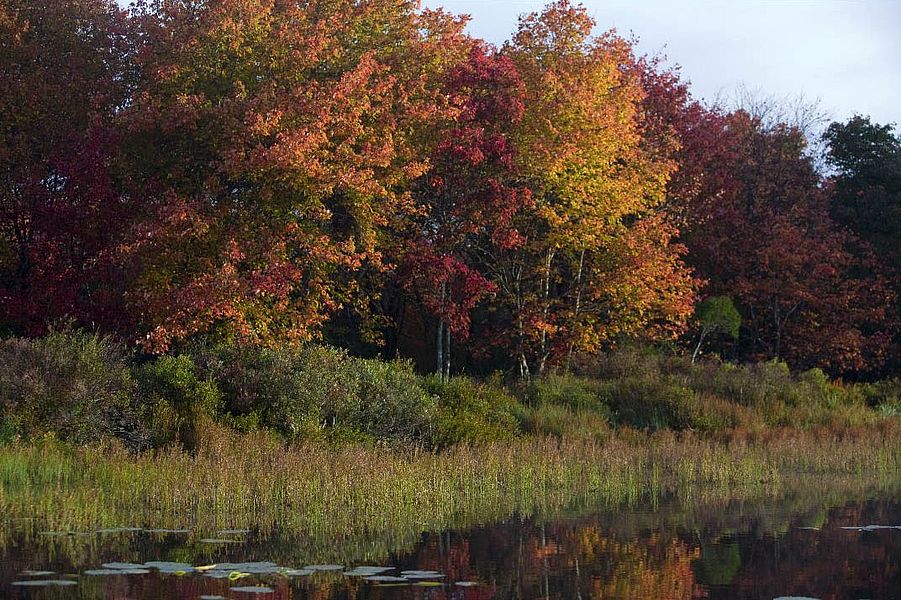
(269,142)
(469,200)
(866,198)
(759,229)
(597,260)
(64,71)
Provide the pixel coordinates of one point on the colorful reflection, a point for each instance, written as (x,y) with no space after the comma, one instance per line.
(726,550)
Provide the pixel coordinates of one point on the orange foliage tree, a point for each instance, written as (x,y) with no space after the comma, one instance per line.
(598,260)
(268,143)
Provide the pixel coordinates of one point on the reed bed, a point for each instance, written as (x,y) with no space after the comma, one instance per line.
(237,481)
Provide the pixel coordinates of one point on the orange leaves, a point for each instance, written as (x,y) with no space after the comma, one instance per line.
(594,261)
(293,133)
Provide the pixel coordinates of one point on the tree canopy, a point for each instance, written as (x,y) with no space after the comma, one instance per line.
(274,172)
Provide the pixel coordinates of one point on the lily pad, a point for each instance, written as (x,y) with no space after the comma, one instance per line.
(365,571)
(30,573)
(111,530)
(45,582)
(386,579)
(253,589)
(169,567)
(169,531)
(467,583)
(422,574)
(324,567)
(296,572)
(257,568)
(219,541)
(233,532)
(211,597)
(873,527)
(122,565)
(69,533)
(217,574)
(105,572)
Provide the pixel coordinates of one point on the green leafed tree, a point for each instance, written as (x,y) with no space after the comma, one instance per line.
(716,314)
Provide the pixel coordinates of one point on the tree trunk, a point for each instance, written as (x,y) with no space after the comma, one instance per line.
(439,341)
(546,292)
(439,347)
(445,371)
(694,354)
(578,306)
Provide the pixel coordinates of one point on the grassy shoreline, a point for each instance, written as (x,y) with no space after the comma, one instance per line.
(315,444)
(237,481)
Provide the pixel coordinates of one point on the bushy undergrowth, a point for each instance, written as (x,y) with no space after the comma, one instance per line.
(472,412)
(647,389)
(84,389)
(68,385)
(175,401)
(316,392)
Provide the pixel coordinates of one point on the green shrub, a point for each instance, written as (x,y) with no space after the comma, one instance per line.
(270,388)
(387,401)
(315,391)
(472,412)
(650,404)
(759,385)
(885,395)
(562,422)
(579,394)
(70,385)
(9,429)
(709,413)
(628,360)
(175,401)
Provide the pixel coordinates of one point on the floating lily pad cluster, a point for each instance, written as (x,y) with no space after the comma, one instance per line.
(377,575)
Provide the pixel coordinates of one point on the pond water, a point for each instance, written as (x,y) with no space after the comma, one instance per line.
(787,545)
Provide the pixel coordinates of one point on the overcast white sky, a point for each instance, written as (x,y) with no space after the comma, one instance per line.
(847,53)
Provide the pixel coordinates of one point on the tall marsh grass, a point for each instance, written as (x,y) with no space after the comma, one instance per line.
(236,481)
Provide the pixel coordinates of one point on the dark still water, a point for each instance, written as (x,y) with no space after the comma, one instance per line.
(793,545)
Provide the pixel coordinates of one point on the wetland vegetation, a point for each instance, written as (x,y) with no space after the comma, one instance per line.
(292,287)
(322,444)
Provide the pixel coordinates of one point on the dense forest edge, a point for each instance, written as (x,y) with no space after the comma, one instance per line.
(84,389)
(240,229)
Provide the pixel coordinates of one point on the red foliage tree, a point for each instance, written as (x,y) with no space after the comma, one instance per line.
(758,228)
(64,71)
(467,203)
